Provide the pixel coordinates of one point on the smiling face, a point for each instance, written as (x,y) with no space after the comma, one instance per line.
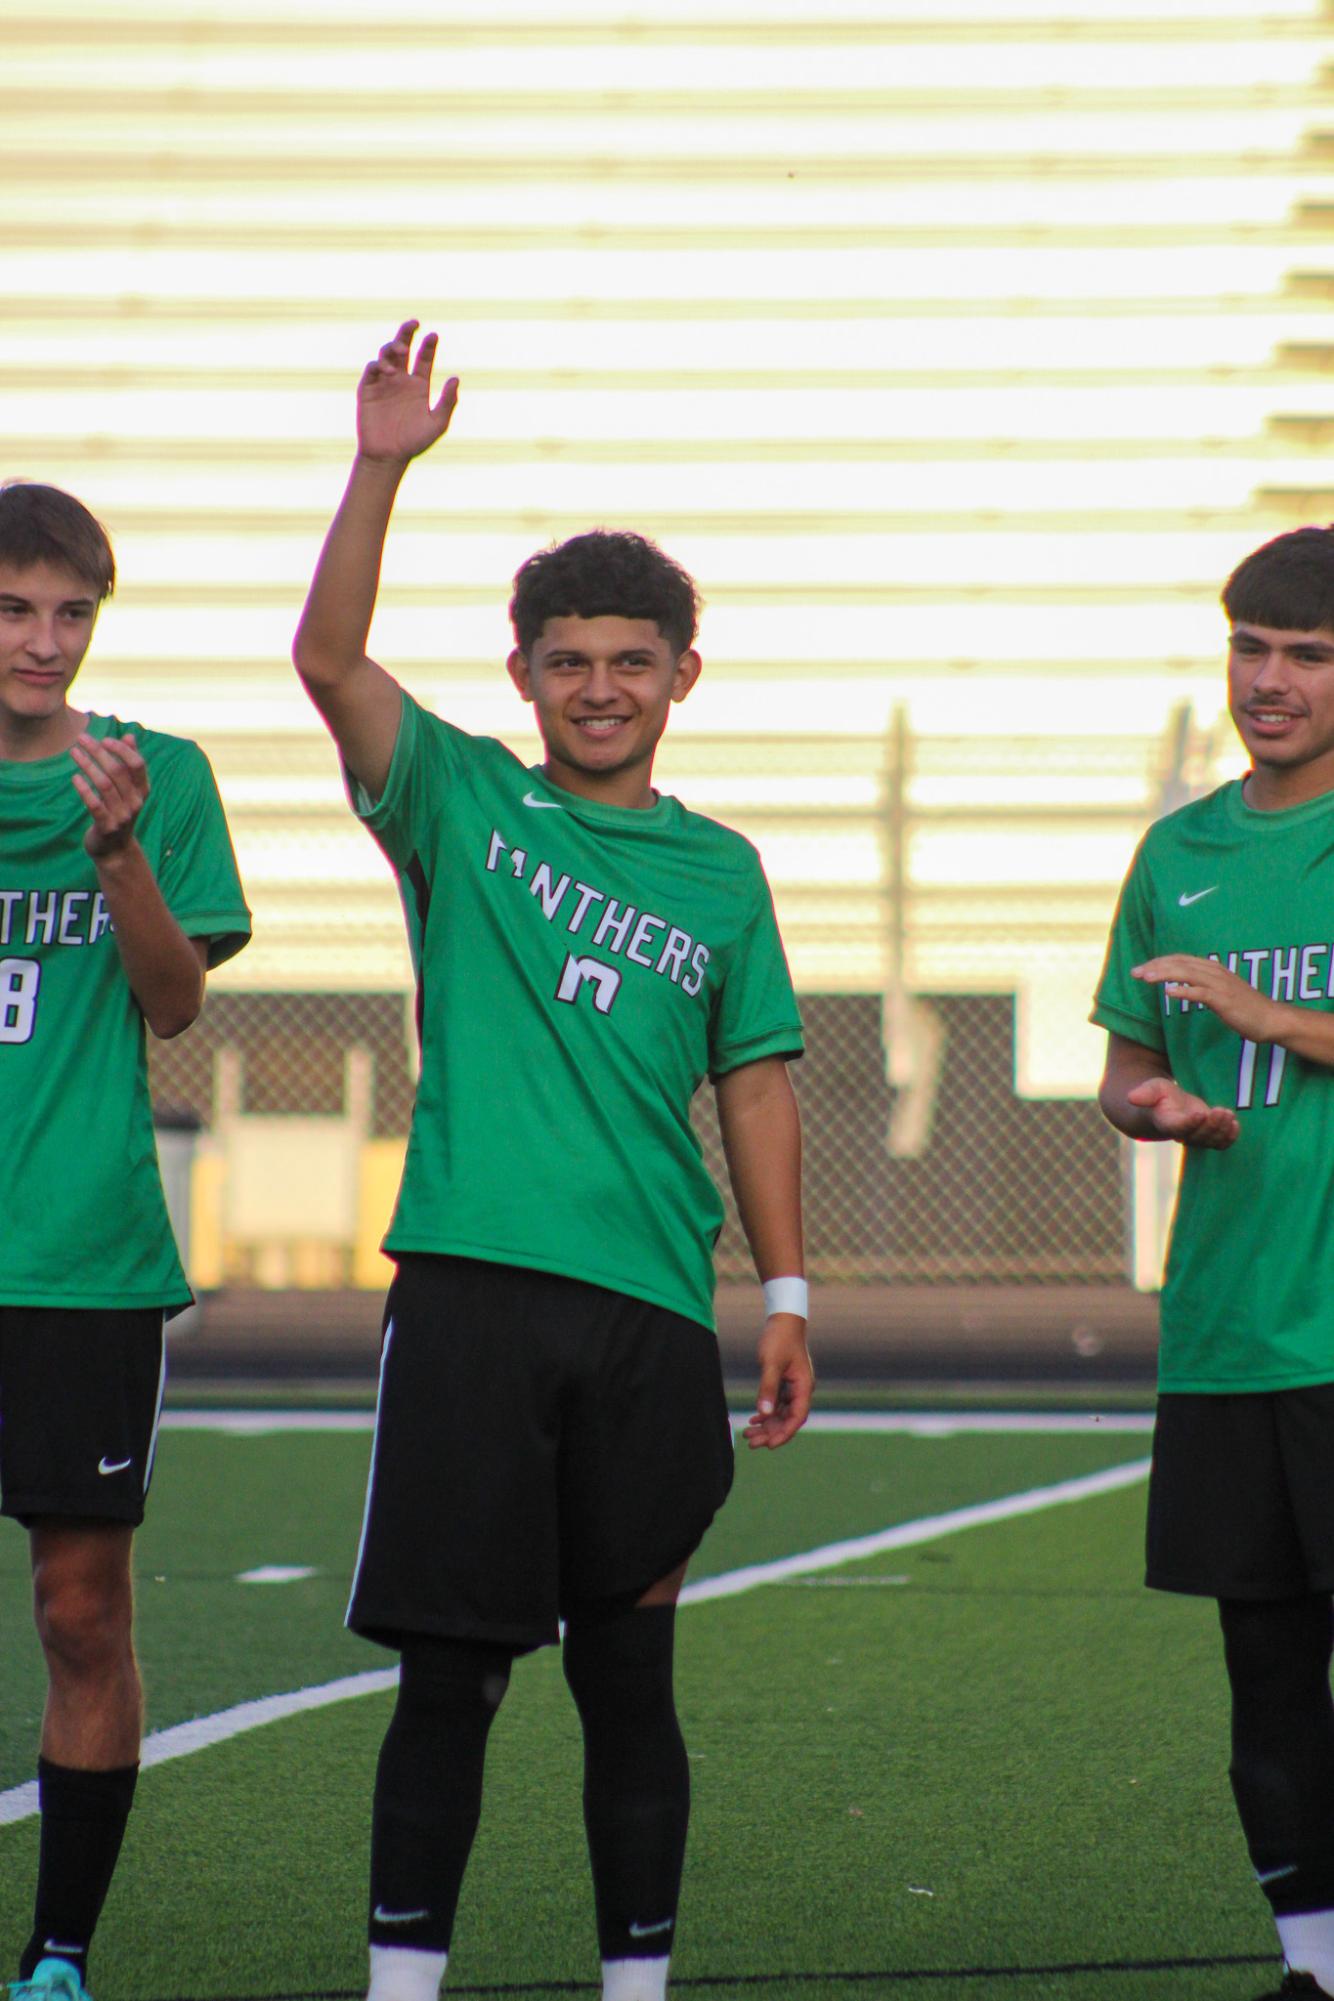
(47,615)
(1281,697)
(603,688)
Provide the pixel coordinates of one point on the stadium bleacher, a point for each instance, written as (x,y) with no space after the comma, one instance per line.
(959,349)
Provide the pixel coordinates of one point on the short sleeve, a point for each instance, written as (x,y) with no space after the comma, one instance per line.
(1123,1004)
(755,1014)
(429,757)
(197,870)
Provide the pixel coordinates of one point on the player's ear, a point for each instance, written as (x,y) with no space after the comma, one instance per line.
(688,668)
(520,673)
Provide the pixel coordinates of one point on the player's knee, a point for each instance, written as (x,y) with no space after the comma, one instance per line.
(454,1674)
(622,1658)
(83,1621)
(1275,1647)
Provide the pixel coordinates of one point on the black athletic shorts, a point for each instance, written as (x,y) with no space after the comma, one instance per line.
(1241,1496)
(540,1444)
(80,1398)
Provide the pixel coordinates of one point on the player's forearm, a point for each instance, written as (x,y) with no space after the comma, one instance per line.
(161,964)
(1307,1032)
(761,1131)
(1133,1120)
(1130,1064)
(335,624)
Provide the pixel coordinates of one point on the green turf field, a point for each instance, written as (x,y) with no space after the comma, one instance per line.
(984,1764)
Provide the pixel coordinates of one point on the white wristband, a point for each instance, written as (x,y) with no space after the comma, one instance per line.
(787,1295)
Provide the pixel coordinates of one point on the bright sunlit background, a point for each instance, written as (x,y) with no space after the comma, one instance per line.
(960,348)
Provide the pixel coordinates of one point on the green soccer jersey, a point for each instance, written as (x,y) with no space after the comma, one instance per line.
(581,968)
(1248,1299)
(85,1222)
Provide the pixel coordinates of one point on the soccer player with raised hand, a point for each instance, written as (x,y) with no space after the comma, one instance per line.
(118,889)
(1218,993)
(551,1437)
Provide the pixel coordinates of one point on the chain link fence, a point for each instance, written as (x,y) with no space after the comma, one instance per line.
(944,901)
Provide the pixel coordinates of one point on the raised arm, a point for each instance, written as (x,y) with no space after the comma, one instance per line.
(761,1129)
(396,422)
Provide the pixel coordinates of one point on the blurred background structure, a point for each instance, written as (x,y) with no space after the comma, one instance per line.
(959,347)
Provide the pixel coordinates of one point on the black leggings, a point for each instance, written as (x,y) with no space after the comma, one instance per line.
(636,1775)
(1278,1654)
(428,1787)
(428,1793)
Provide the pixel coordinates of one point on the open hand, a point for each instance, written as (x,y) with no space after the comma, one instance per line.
(396,419)
(787,1380)
(112,781)
(1179,1115)
(1232,999)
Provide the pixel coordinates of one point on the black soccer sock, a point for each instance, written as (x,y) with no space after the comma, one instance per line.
(636,1775)
(83,1825)
(428,1787)
(1278,1657)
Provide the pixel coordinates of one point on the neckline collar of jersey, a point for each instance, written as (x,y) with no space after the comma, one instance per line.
(1252,817)
(34,770)
(600,812)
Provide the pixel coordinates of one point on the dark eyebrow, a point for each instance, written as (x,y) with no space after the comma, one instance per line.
(1322,649)
(627,653)
(66,604)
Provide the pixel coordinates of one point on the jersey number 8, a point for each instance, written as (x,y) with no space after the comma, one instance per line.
(19,982)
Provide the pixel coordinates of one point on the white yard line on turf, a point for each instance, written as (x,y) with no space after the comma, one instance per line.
(921,1424)
(20,1802)
(906,1534)
(952,1423)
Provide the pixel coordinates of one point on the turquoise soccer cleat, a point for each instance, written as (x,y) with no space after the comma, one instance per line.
(50,1980)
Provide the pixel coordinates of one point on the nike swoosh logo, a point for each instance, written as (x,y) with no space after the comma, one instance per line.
(1275,1875)
(70,1951)
(384,1917)
(105,1465)
(647,1931)
(542,805)
(1185,901)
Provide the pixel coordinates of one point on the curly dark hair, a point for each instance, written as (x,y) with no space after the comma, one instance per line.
(605,573)
(1287,583)
(44,524)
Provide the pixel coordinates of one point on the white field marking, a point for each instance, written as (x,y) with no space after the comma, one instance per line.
(20,1802)
(952,1424)
(921,1424)
(276,1573)
(840,1583)
(263,1423)
(907,1534)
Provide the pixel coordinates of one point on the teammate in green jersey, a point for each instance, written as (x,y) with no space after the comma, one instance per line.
(118,890)
(1219,996)
(551,1437)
